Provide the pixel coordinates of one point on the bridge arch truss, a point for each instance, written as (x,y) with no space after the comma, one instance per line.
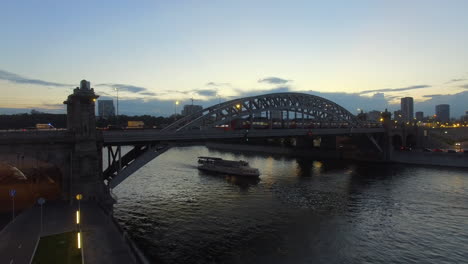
(304,108)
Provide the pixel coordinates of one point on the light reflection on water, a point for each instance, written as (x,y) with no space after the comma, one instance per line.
(300,211)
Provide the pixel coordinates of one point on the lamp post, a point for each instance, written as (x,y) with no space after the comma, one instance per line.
(79,197)
(78,222)
(117,112)
(175,110)
(41,201)
(12,193)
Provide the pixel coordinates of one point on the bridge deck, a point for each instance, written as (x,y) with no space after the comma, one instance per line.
(140,136)
(151,135)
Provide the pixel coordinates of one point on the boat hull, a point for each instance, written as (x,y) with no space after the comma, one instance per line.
(230,171)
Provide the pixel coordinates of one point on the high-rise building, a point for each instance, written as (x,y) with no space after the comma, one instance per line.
(407,109)
(106,109)
(191,109)
(419,116)
(442,112)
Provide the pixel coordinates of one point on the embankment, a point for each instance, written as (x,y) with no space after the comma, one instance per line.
(410,157)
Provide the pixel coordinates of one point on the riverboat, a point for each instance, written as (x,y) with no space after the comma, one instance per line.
(218,165)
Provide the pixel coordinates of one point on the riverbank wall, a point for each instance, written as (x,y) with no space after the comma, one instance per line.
(137,253)
(409,157)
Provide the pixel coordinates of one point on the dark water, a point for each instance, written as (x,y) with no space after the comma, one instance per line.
(301,211)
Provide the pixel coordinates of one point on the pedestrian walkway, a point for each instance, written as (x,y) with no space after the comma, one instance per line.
(102,243)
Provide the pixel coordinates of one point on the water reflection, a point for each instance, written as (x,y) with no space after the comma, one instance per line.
(244,183)
(300,211)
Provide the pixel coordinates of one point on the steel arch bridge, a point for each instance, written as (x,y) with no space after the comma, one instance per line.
(310,108)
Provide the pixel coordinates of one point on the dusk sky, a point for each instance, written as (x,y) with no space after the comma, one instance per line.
(360,54)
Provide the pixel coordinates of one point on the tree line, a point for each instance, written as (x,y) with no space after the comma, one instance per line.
(29,121)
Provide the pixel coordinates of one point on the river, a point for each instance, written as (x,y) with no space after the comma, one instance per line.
(299,211)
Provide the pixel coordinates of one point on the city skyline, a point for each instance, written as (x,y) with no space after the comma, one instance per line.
(363,55)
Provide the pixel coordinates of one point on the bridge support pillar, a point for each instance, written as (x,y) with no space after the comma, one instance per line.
(86,156)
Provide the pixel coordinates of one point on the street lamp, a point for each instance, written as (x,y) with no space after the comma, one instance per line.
(78,197)
(175,109)
(117,90)
(41,201)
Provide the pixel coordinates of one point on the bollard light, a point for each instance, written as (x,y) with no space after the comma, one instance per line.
(79,240)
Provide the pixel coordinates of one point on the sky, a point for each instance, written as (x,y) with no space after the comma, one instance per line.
(359,54)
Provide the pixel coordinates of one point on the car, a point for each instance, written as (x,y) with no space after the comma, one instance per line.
(427,150)
(465,151)
(437,150)
(402,148)
(451,151)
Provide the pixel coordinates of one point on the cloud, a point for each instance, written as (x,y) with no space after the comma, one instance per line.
(54,106)
(280,89)
(217,84)
(149,104)
(206,92)
(456,101)
(391,97)
(456,80)
(273,80)
(13,111)
(433,95)
(104,94)
(414,87)
(149,93)
(350,101)
(124,87)
(15,78)
(353,101)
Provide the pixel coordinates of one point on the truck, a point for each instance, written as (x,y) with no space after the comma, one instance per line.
(135,124)
(44,126)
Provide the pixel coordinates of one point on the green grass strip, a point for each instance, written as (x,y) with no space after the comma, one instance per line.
(60,249)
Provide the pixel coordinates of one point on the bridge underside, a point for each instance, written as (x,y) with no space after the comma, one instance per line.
(121,166)
(149,144)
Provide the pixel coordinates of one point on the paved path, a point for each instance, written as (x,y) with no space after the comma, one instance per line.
(18,239)
(102,242)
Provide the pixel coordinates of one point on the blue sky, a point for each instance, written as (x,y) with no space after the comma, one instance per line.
(360,54)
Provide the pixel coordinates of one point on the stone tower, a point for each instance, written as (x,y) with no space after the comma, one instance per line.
(86,154)
(81,117)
